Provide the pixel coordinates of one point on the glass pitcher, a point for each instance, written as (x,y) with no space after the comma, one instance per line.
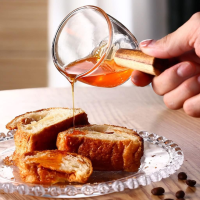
(92,47)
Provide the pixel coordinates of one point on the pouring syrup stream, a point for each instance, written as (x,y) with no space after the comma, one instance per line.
(107,74)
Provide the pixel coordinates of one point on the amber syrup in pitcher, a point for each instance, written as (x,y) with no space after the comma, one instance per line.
(107,74)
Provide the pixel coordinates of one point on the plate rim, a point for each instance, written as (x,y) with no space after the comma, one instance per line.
(119,185)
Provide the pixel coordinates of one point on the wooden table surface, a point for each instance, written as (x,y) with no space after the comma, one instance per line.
(132,107)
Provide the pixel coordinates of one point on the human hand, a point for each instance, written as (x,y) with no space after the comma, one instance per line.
(179,84)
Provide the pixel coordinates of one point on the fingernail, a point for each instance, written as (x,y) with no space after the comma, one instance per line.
(198,79)
(147,43)
(185,70)
(134,79)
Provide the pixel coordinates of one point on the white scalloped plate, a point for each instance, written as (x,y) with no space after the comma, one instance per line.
(162,157)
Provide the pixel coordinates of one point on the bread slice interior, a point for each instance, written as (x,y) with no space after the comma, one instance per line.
(34,122)
(103,132)
(110,148)
(53,166)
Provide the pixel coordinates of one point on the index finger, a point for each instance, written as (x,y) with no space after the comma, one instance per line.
(184,39)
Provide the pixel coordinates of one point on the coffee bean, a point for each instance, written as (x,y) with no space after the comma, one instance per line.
(182,176)
(191,183)
(158,191)
(180,194)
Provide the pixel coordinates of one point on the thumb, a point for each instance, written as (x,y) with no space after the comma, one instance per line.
(182,40)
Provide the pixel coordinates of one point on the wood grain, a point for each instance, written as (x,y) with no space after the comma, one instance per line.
(23,44)
(132,107)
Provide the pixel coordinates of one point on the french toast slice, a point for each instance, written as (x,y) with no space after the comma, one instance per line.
(38,130)
(52,166)
(110,148)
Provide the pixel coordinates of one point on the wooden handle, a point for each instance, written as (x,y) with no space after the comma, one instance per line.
(136,59)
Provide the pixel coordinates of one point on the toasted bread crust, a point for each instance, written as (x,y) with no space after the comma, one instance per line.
(105,154)
(46,169)
(44,139)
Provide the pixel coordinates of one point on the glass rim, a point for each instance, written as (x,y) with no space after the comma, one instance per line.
(64,22)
